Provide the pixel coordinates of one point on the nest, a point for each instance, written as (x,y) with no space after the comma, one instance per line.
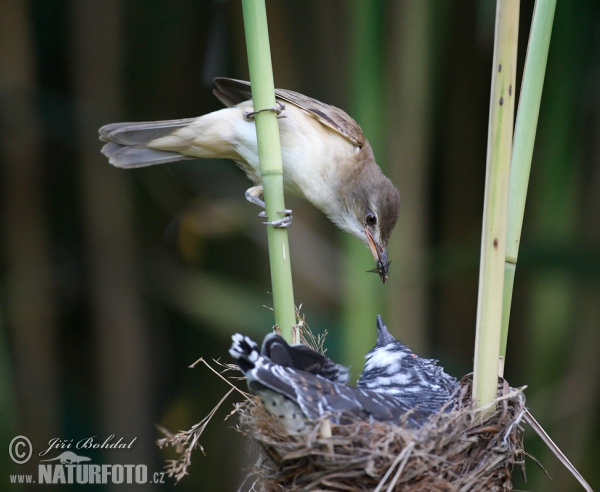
(456,450)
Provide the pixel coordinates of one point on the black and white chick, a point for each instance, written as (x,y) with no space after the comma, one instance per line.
(302,358)
(296,396)
(391,368)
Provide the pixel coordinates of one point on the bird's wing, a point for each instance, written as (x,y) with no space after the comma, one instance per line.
(298,357)
(335,372)
(232,92)
(302,358)
(317,396)
(383,408)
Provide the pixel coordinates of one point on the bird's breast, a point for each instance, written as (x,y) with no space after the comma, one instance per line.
(314,158)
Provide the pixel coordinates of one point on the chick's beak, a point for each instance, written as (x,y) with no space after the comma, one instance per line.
(380,255)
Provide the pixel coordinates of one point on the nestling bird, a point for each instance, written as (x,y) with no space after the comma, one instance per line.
(295,396)
(395,383)
(393,369)
(301,357)
(326,158)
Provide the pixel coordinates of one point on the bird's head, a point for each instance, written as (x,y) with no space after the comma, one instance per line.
(388,364)
(384,337)
(372,204)
(387,351)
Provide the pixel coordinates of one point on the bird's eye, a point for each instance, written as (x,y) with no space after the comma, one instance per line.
(371,218)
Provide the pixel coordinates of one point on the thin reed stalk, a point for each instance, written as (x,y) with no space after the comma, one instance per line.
(269,151)
(493,240)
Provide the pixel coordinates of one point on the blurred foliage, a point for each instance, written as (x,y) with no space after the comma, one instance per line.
(114,282)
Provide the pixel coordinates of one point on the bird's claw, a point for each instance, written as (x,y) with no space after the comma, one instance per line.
(253,195)
(279,223)
(278,110)
(253,198)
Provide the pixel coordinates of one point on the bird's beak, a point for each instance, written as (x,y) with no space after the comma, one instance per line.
(380,256)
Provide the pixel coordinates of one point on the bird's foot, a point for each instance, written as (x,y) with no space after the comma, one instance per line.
(279,223)
(253,195)
(278,109)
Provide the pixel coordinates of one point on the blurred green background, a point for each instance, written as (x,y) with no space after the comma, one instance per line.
(113,282)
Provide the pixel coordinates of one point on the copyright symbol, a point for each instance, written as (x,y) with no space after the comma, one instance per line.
(20,450)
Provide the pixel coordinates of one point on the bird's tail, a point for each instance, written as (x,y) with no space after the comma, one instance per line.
(126,143)
(245,352)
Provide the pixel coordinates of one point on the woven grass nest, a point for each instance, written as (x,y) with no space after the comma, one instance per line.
(455,450)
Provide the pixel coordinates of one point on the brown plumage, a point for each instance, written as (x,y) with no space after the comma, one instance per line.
(326,157)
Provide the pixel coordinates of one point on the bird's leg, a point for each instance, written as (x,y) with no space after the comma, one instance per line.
(254,194)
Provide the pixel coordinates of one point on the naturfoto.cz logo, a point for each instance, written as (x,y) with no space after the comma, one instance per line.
(90,473)
(71,468)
